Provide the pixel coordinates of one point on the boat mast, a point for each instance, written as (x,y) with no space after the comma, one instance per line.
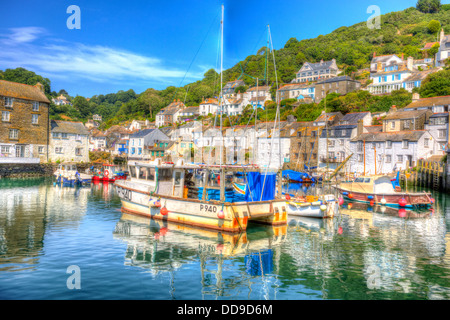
(222,172)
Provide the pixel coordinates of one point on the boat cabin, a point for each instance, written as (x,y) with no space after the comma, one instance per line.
(370,184)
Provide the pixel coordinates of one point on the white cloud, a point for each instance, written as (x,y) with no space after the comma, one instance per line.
(75,60)
(24,34)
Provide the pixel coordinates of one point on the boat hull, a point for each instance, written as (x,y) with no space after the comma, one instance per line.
(229,217)
(312,210)
(413,200)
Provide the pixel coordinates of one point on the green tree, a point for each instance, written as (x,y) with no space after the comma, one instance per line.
(428,6)
(434,26)
(436,84)
(82,105)
(25,76)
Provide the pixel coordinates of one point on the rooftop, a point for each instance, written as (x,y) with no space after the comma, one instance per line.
(68,127)
(22,91)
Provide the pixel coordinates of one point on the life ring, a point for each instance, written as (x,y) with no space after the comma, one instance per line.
(106,173)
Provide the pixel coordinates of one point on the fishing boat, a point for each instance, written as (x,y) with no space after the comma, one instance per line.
(312,206)
(109,173)
(291,176)
(68,174)
(195,195)
(383,190)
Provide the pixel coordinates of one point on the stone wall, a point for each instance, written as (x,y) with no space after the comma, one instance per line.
(33,170)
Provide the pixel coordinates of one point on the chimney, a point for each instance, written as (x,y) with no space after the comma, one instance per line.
(393,109)
(40,86)
(442,35)
(410,63)
(415,97)
(403,56)
(360,128)
(374,54)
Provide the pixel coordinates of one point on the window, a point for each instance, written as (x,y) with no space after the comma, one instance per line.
(441,133)
(41,150)
(392,124)
(78,151)
(8,102)
(388,144)
(406,124)
(388,158)
(405,144)
(14,133)
(59,150)
(5,116)
(426,142)
(55,135)
(400,158)
(360,158)
(341,142)
(35,106)
(64,135)
(133,150)
(331,143)
(78,137)
(183,145)
(5,149)
(34,118)
(360,146)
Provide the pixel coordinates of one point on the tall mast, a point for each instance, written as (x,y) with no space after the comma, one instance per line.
(221,89)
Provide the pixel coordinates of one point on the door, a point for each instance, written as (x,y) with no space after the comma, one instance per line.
(20,151)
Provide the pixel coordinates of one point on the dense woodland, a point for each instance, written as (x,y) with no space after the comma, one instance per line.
(405,32)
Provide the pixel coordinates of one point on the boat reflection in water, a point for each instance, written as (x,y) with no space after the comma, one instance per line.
(161,246)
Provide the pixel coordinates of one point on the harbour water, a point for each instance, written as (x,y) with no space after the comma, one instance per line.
(363,253)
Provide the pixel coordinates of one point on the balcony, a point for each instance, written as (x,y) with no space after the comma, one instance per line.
(338,159)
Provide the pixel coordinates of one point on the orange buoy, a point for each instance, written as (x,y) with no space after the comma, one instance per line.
(164,211)
(288,197)
(350,195)
(221,214)
(402,202)
(350,205)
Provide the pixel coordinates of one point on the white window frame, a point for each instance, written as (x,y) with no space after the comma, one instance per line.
(35,106)
(405,144)
(41,149)
(59,150)
(5,149)
(8,116)
(388,158)
(14,136)
(78,151)
(34,119)
(9,102)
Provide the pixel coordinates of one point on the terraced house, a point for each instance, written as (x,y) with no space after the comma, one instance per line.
(69,142)
(311,72)
(24,127)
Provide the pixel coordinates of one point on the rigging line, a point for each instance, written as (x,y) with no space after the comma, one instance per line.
(195,56)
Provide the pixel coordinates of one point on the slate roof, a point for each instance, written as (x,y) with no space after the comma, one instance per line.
(193,110)
(336,79)
(142,133)
(405,114)
(429,102)
(259,88)
(68,127)
(391,136)
(338,131)
(22,91)
(353,118)
(319,65)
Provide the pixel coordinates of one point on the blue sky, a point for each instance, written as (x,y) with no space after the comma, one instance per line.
(150,44)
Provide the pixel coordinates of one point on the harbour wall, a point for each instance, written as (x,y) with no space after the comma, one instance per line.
(29,170)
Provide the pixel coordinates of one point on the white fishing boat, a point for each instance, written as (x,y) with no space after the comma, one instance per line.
(67,173)
(313,207)
(195,195)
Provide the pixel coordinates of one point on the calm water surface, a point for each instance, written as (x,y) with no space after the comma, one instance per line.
(364,253)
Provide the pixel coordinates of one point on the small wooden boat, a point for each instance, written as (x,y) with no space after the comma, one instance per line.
(109,173)
(292,176)
(313,207)
(383,190)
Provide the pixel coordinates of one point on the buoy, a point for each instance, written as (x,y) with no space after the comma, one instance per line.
(340,201)
(221,214)
(340,230)
(402,213)
(350,195)
(345,193)
(432,200)
(370,197)
(323,207)
(402,202)
(107,173)
(350,205)
(164,211)
(372,203)
(383,201)
(288,197)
